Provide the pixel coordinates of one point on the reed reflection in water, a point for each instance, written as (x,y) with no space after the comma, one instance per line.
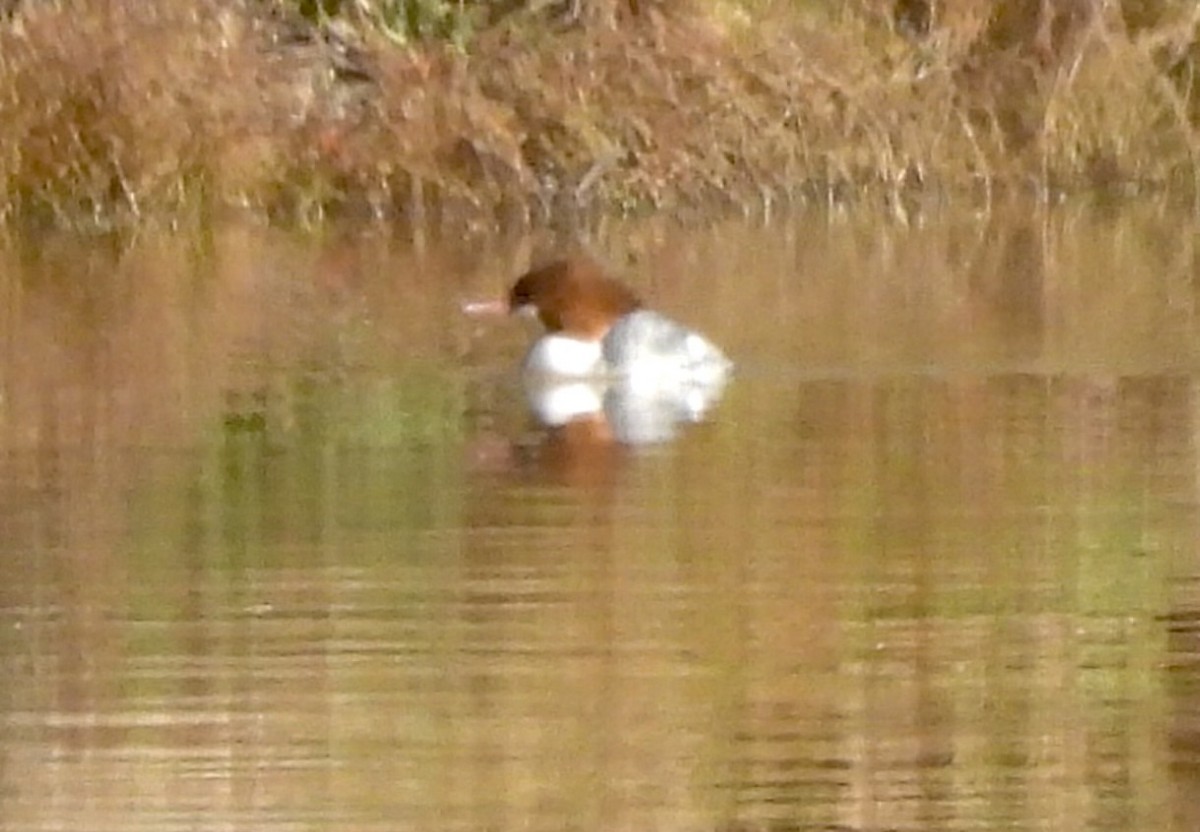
(282,549)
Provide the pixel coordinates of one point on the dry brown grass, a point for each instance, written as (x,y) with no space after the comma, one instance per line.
(123,110)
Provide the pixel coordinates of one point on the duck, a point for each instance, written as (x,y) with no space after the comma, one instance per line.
(597,327)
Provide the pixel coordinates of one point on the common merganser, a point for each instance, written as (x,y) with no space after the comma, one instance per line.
(605,361)
(596,327)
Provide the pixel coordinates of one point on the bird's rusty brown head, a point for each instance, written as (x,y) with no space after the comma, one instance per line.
(574,297)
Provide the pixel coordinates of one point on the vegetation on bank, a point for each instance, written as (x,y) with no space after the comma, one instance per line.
(515,111)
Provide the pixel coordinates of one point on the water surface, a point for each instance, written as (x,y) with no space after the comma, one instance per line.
(282,548)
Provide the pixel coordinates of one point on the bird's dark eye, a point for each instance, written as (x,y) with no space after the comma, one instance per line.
(519,296)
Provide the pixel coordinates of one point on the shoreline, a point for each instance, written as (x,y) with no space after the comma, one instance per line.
(126,113)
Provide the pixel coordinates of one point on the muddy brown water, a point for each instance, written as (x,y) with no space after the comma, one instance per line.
(281,547)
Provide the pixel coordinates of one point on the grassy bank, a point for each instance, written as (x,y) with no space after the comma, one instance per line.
(514,112)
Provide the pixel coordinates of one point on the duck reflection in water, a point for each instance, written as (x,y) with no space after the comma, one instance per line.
(620,409)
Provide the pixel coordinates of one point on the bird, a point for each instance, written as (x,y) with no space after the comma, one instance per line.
(597,327)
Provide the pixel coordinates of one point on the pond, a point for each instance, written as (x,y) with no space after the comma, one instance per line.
(282,546)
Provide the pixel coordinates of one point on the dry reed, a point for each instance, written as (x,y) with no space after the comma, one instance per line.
(125,111)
